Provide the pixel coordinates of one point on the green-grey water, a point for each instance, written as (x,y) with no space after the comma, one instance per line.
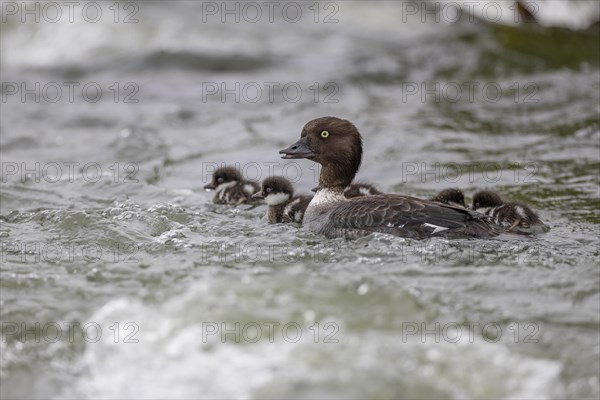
(120,278)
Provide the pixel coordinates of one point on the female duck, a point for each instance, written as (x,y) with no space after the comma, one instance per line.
(336,144)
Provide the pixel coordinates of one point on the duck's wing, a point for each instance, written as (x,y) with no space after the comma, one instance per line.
(408,217)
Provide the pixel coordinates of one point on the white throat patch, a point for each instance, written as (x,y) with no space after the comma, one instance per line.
(326,196)
(276,199)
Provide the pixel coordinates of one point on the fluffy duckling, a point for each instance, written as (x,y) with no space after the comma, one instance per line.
(284,207)
(230,187)
(516,216)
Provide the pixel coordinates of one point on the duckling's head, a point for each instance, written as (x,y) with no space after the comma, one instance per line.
(486,198)
(224,176)
(275,190)
(450,196)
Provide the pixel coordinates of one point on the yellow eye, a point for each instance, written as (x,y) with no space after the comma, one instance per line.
(324,134)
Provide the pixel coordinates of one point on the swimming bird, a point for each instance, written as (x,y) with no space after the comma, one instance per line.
(452,196)
(515,216)
(230,187)
(284,207)
(336,144)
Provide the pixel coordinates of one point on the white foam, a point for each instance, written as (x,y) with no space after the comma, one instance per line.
(174,360)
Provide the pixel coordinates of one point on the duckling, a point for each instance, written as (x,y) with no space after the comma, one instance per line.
(230,187)
(516,216)
(284,207)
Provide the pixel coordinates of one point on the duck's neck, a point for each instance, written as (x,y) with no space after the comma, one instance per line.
(335,177)
(332,182)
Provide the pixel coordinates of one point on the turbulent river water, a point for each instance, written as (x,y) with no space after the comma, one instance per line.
(120,278)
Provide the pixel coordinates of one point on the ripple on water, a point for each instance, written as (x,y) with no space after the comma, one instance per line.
(150,248)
